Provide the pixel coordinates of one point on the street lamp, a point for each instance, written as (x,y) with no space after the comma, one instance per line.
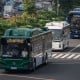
(58,5)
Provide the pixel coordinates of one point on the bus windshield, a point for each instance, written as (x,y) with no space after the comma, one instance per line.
(56,34)
(14,50)
(72,16)
(75,19)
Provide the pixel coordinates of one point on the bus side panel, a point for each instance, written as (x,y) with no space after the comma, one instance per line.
(48,41)
(40,45)
(37,49)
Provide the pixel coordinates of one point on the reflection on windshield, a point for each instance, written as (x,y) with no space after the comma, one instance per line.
(11,50)
(56,34)
(14,50)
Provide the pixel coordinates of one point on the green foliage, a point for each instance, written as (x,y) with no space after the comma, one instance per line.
(29,6)
(66,5)
(45,14)
(4,25)
(59,18)
(30,17)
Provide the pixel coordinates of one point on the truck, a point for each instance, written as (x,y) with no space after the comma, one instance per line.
(25,48)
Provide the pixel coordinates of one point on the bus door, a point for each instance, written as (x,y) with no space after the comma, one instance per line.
(64,39)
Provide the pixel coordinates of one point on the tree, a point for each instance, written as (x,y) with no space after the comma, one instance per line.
(29,6)
(66,5)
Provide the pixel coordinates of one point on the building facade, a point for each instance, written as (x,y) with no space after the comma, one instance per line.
(44,4)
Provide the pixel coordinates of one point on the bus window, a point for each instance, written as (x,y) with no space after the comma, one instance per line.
(56,34)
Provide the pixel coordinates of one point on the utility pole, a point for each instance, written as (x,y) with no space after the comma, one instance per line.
(58,5)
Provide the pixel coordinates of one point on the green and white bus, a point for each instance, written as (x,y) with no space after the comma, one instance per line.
(25,48)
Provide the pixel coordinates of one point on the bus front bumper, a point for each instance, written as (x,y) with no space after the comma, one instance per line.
(15,64)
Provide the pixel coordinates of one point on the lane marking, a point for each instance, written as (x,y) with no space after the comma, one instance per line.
(72,55)
(58,56)
(36,78)
(65,56)
(76,56)
(74,48)
(54,54)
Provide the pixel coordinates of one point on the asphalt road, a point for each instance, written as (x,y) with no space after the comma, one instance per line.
(67,69)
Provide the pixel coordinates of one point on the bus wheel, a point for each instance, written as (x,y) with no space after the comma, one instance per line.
(68,44)
(7,70)
(63,48)
(34,65)
(46,59)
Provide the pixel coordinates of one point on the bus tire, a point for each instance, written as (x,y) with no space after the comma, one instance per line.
(34,65)
(68,44)
(7,70)
(63,48)
(46,59)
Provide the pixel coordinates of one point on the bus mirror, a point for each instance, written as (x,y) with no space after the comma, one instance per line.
(29,44)
(29,47)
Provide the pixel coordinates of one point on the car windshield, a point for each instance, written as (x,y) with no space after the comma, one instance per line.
(56,34)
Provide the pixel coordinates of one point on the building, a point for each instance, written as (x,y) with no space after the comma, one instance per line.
(44,4)
(2,2)
(13,7)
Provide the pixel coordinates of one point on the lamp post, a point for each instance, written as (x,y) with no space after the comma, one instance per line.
(58,5)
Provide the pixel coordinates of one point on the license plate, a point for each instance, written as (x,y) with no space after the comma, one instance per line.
(13,68)
(75,35)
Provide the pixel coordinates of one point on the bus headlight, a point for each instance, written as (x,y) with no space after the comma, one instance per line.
(24,53)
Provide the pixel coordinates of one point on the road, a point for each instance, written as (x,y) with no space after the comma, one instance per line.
(58,68)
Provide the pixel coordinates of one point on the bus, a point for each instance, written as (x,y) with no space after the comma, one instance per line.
(60,31)
(25,48)
(73,18)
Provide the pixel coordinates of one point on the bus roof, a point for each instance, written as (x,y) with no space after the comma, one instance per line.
(56,24)
(71,14)
(74,12)
(20,32)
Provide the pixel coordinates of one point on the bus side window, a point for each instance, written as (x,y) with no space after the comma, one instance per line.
(10,33)
(35,33)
